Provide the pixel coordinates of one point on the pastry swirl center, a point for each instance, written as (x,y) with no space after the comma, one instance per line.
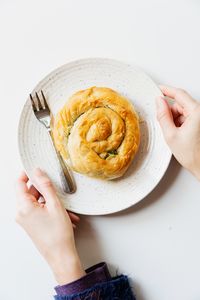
(100,130)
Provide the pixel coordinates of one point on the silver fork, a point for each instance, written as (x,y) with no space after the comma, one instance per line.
(43,114)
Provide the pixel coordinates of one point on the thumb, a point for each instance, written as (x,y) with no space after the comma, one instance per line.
(165,118)
(44,185)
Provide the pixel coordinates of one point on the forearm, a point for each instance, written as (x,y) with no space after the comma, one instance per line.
(67,267)
(68,271)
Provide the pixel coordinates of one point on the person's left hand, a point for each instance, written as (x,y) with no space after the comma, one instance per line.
(49,226)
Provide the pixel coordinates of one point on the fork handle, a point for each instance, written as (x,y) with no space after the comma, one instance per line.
(67,181)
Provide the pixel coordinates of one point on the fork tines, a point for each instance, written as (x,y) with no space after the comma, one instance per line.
(39,105)
(33,103)
(44,100)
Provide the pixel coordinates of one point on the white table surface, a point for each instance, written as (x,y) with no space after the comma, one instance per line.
(157,242)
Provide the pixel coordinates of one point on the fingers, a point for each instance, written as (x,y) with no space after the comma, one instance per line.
(46,188)
(180,96)
(26,200)
(180,120)
(178,114)
(24,197)
(73,217)
(21,184)
(165,118)
(33,191)
(176,110)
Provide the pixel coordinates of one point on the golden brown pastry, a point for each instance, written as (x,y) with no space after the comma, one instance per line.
(97,133)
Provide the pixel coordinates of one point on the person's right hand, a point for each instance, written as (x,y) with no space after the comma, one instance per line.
(180,123)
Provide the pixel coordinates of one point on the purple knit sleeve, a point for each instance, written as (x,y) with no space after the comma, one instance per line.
(96,274)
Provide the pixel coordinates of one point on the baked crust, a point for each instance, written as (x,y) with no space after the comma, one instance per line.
(97,133)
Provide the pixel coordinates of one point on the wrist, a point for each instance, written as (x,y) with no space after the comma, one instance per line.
(67,268)
(196,173)
(195,169)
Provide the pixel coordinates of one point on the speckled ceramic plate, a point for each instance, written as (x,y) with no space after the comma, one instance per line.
(93,196)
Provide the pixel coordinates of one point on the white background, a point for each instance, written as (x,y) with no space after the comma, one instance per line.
(157,242)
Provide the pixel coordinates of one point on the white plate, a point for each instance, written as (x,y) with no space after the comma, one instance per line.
(93,196)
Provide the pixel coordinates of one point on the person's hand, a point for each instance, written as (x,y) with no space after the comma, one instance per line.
(49,226)
(180,123)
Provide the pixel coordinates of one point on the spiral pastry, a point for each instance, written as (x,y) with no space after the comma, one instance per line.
(97,133)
